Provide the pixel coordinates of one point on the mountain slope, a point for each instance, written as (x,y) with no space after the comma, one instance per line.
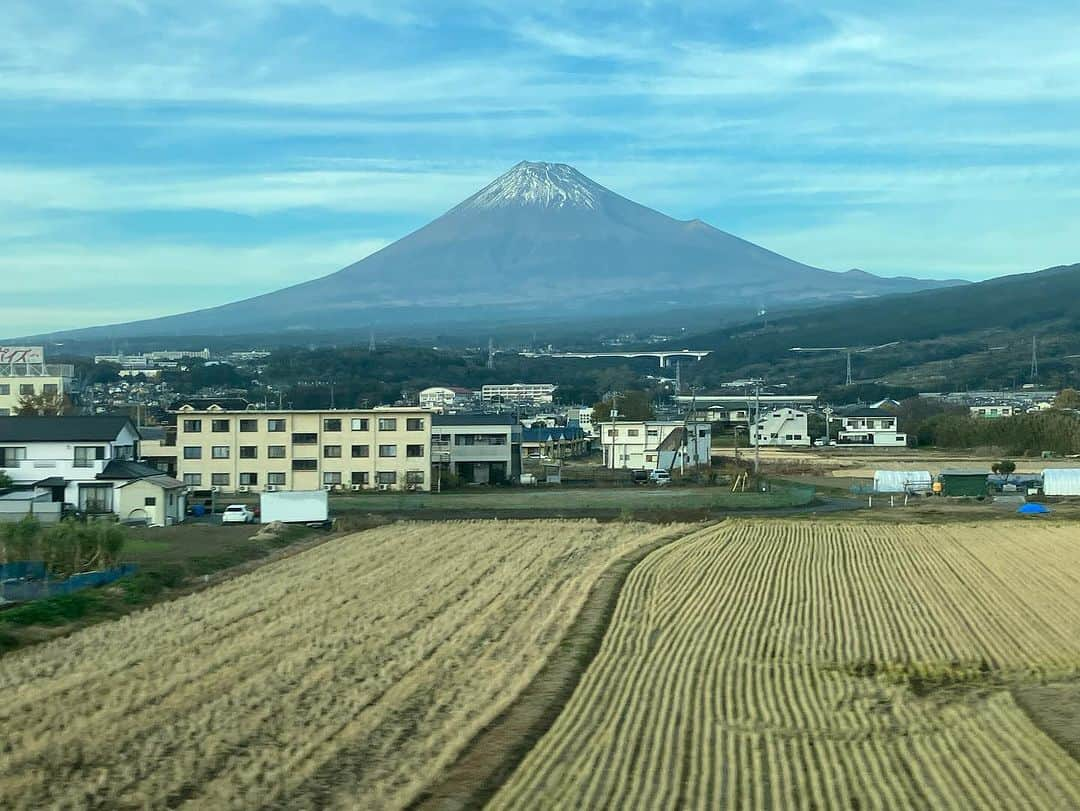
(975,335)
(540,237)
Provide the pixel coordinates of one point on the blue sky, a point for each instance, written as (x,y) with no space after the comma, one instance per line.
(157,157)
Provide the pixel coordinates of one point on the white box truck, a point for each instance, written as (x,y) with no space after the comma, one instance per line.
(294,507)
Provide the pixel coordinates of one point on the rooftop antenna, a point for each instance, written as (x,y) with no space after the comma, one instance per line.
(491,353)
(1034,360)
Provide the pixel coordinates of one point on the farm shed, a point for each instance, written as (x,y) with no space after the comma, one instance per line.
(902,481)
(964,482)
(1061,481)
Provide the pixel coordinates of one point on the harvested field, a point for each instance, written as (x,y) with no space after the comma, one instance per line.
(347,676)
(802,665)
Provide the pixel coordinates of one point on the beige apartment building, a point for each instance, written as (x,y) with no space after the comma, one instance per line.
(253,451)
(24,372)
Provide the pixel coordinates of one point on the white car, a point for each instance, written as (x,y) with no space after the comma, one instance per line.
(660,477)
(237,514)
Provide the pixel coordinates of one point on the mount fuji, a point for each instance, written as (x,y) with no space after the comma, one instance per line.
(540,241)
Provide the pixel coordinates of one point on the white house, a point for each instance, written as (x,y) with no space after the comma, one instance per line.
(783,427)
(89,462)
(656,444)
(440,398)
(870,426)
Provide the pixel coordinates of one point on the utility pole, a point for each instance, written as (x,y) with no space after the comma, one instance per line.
(331,395)
(491,353)
(1034,361)
(848,368)
(614,431)
(757,418)
(678,377)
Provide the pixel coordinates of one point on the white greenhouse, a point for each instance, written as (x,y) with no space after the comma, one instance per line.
(1061,481)
(902,481)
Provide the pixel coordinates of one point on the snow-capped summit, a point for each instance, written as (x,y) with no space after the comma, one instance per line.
(547,185)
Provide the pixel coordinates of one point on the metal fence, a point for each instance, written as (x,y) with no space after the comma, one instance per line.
(27,580)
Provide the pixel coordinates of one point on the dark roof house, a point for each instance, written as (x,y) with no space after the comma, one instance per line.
(62,429)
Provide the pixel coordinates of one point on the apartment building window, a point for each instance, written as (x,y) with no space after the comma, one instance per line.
(50,389)
(305,439)
(150,501)
(249,452)
(331,451)
(275,426)
(5,412)
(386,477)
(26,388)
(331,478)
(276,479)
(414,451)
(305,464)
(192,452)
(86,456)
(387,423)
(633,432)
(193,479)
(360,477)
(192,426)
(361,451)
(219,426)
(387,451)
(480,439)
(331,425)
(249,426)
(219,479)
(219,452)
(652,432)
(414,477)
(275,452)
(125,452)
(249,479)
(5,388)
(360,424)
(612,431)
(414,424)
(10,457)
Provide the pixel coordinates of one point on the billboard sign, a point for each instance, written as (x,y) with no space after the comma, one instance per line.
(22,354)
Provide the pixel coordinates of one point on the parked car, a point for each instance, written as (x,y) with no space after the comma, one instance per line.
(238,514)
(660,477)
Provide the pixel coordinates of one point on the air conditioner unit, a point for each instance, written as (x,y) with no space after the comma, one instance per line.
(271,488)
(242,488)
(215,489)
(328,487)
(415,487)
(384,487)
(357,488)
(339,487)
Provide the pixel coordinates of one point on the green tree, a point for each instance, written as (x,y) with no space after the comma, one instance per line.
(43,405)
(632,405)
(1006,467)
(1067,398)
(5,480)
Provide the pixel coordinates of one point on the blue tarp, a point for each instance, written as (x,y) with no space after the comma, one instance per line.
(1033,509)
